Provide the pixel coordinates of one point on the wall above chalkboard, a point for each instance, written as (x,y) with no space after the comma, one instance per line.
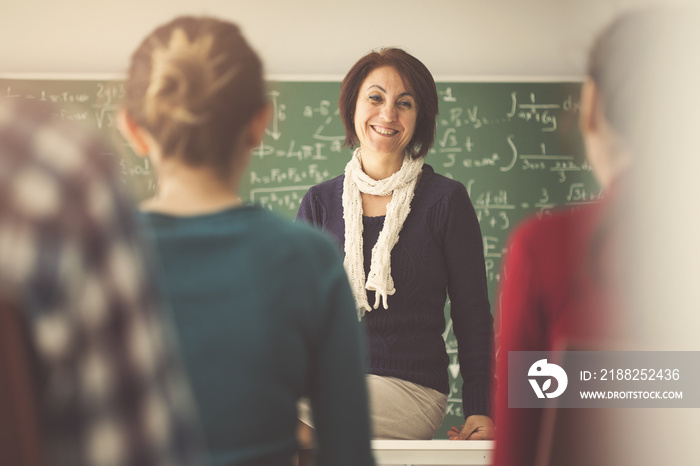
(514,145)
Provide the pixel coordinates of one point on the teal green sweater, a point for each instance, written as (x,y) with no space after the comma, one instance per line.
(264,315)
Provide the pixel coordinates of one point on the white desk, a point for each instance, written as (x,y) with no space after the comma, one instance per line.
(432,452)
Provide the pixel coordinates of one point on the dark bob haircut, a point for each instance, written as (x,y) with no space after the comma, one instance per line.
(417,80)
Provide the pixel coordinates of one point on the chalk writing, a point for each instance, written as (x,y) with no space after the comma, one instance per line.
(514,146)
(277,115)
(290,176)
(279,198)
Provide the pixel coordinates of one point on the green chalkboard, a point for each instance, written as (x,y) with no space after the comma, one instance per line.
(514,145)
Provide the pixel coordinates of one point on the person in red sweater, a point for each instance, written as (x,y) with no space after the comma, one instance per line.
(565,272)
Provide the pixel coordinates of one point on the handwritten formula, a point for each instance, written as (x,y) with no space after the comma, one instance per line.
(515,147)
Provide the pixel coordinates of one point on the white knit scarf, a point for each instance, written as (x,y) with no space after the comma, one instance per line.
(402,185)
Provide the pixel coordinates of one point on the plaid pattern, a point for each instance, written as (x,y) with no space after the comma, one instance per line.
(111,389)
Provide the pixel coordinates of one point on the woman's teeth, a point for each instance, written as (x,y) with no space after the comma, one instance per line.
(384,131)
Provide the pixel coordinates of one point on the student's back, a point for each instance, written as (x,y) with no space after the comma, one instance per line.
(262,306)
(264,316)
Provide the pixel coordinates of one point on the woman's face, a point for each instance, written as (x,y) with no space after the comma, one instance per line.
(385,113)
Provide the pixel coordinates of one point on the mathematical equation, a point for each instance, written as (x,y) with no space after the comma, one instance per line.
(310,174)
(515,146)
(97,107)
(287,199)
(528,109)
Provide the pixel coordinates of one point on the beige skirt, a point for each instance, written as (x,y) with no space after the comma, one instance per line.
(399,410)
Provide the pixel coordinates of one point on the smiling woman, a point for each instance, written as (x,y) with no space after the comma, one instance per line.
(389,105)
(385,117)
(406,73)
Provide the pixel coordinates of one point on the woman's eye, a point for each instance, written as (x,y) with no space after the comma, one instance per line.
(406,104)
(375,98)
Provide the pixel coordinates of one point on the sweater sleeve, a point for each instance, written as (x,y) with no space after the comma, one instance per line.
(311,210)
(470,309)
(520,329)
(338,390)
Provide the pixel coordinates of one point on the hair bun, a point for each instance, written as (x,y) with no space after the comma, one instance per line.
(183,79)
(194,84)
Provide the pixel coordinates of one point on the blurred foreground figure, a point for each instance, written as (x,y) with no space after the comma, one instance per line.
(622,273)
(89,351)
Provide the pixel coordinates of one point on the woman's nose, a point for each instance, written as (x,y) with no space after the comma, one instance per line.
(388,112)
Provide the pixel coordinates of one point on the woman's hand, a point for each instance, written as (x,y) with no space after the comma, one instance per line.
(476,427)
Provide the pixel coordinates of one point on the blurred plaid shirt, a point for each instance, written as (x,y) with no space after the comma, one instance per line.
(111,391)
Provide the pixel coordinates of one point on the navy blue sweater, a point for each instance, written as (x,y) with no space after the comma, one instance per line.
(440,251)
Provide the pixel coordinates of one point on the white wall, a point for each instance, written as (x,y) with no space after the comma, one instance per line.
(482,38)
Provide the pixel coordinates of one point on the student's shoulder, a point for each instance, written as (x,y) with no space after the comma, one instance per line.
(556,225)
(294,236)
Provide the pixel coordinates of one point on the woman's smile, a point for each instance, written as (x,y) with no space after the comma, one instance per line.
(384,131)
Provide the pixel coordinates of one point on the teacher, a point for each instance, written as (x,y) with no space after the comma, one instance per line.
(410,238)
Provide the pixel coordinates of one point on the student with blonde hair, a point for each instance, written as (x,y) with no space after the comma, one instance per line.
(262,306)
